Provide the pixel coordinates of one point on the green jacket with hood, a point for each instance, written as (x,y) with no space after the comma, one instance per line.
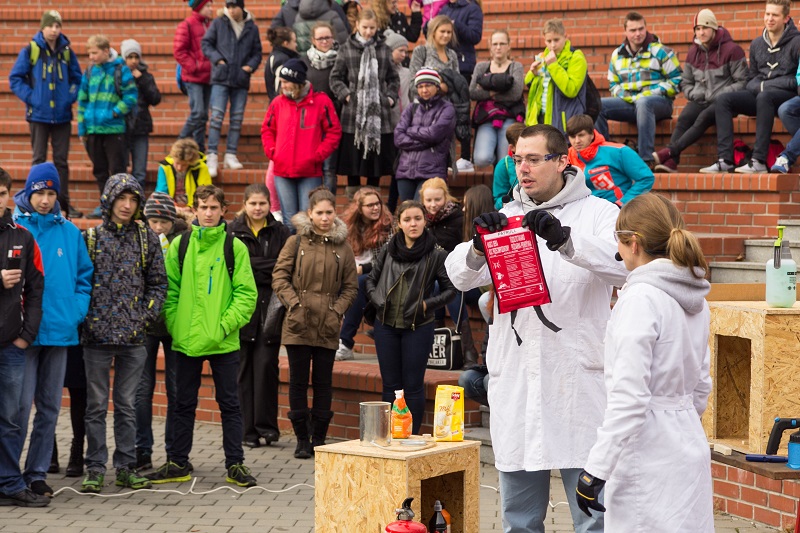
(567,73)
(204,309)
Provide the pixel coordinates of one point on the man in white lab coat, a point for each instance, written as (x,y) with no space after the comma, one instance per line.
(546,393)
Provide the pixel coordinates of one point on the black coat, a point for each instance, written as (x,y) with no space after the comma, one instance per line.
(148,95)
(400,24)
(264,251)
(449,230)
(220,44)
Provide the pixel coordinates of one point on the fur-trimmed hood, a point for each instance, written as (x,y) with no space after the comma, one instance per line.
(304,227)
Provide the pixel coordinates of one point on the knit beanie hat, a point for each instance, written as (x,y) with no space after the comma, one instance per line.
(41,177)
(160,205)
(237,3)
(50,17)
(131,46)
(707,19)
(294,70)
(427,75)
(394,40)
(197,5)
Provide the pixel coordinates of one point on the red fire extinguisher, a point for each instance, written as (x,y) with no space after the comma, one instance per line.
(403,524)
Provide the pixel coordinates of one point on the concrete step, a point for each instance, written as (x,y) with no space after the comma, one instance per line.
(483,435)
(792,231)
(762,250)
(737,272)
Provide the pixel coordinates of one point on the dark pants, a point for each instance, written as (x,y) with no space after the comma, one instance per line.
(75,381)
(355,181)
(692,124)
(300,358)
(465,147)
(199,101)
(188,372)
(258,387)
(354,314)
(763,107)
(136,150)
(58,135)
(144,394)
(408,189)
(402,357)
(107,153)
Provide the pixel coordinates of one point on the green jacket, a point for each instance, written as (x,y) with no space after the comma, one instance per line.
(568,73)
(204,311)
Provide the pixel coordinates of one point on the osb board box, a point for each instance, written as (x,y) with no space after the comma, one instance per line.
(358,488)
(739,292)
(754,360)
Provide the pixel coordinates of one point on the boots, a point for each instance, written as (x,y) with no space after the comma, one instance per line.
(300,423)
(320,420)
(54,467)
(468,346)
(75,466)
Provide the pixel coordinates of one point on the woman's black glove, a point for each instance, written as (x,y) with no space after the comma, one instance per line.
(588,493)
(491,222)
(548,227)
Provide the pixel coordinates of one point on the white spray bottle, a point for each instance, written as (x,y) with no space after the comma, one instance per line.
(781,274)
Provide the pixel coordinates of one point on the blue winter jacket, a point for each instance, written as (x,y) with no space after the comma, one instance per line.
(68,273)
(55,81)
(101,111)
(468,21)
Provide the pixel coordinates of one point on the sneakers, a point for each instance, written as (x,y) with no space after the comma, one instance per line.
(212,161)
(239,474)
(343,353)
(41,488)
(144,460)
(93,482)
(232,162)
(781,165)
(753,167)
(130,478)
(717,168)
(464,165)
(94,215)
(662,155)
(24,498)
(171,472)
(668,165)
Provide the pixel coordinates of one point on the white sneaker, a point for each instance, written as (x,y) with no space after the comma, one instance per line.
(717,168)
(212,161)
(232,162)
(343,353)
(463,165)
(753,167)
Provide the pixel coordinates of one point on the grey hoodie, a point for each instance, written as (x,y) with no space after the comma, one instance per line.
(678,282)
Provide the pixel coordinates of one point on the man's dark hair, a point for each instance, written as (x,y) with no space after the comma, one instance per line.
(579,123)
(554,138)
(5,179)
(632,16)
(204,192)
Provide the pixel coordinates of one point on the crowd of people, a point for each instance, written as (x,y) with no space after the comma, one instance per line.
(347,100)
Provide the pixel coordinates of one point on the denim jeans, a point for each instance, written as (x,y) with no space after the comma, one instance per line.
(354,314)
(402,358)
(789,113)
(476,384)
(524,498)
(144,394)
(329,172)
(692,124)
(220,95)
(195,126)
(490,143)
(12,375)
(188,372)
(136,148)
(45,367)
(408,189)
(645,112)
(128,363)
(293,195)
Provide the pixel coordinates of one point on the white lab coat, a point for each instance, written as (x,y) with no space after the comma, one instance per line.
(651,448)
(547,396)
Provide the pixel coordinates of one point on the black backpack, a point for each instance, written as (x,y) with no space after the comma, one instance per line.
(593,102)
(230,260)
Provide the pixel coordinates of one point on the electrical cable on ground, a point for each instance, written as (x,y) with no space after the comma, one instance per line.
(174,491)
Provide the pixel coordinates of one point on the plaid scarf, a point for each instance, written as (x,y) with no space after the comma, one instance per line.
(368,102)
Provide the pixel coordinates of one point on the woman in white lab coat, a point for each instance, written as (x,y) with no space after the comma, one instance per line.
(651,448)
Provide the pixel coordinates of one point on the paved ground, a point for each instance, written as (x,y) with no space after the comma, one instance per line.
(207,505)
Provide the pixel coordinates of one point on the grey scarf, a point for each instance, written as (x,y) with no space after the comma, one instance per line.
(368,102)
(322,60)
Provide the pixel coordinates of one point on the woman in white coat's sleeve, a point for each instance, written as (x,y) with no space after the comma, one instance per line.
(651,448)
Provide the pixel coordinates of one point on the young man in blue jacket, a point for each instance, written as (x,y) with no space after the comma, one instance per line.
(67,291)
(613,171)
(46,76)
(21,280)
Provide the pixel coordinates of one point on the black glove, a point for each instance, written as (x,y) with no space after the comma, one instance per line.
(492,222)
(588,492)
(548,227)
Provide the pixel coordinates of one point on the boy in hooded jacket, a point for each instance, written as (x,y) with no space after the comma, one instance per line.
(68,289)
(47,78)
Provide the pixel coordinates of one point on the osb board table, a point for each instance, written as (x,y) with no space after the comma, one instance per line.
(358,488)
(755,356)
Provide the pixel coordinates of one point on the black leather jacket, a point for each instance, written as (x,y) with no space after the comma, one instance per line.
(420,277)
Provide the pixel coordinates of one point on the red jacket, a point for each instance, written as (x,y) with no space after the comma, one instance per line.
(195,67)
(299,135)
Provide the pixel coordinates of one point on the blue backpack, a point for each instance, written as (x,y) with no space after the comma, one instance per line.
(179,80)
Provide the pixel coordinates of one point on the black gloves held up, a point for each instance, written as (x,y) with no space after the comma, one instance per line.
(588,492)
(491,222)
(548,227)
